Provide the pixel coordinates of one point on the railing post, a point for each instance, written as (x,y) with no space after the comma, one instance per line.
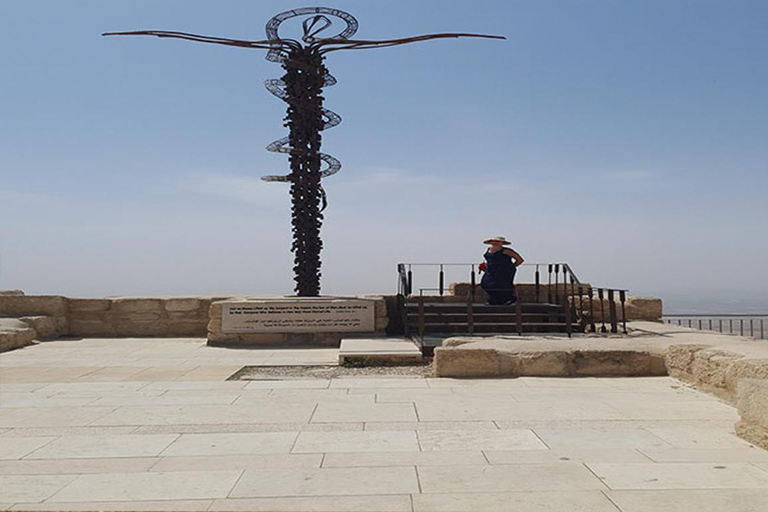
(568,319)
(519,318)
(537,289)
(612,311)
(549,284)
(557,285)
(442,280)
(410,281)
(593,327)
(573,296)
(472,284)
(401,302)
(623,298)
(421,316)
(580,288)
(600,297)
(470,314)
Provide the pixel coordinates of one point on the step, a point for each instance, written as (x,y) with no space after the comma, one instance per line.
(485,317)
(485,308)
(379,351)
(447,328)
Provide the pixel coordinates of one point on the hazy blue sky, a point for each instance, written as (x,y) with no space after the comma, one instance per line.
(628,138)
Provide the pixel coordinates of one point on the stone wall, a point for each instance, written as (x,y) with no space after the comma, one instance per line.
(51,317)
(140,316)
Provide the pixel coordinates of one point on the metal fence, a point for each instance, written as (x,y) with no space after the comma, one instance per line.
(755,326)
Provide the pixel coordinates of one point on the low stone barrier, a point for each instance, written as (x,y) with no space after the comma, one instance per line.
(752,403)
(140,316)
(15,334)
(49,313)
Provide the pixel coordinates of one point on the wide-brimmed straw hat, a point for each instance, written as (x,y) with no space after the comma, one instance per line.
(500,239)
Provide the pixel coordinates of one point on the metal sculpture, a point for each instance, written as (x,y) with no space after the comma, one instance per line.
(301,87)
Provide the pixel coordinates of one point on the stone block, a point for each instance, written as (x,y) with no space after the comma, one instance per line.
(643,308)
(382,323)
(214,325)
(31,305)
(249,339)
(752,404)
(90,316)
(196,329)
(182,304)
(15,334)
(137,305)
(679,359)
(215,311)
(46,327)
(88,328)
(542,364)
(744,369)
(709,369)
(611,363)
(466,363)
(186,316)
(141,317)
(88,305)
(141,329)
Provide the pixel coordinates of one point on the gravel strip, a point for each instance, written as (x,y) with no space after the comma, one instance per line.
(330,372)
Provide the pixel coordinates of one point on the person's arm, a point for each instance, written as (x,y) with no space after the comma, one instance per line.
(515,256)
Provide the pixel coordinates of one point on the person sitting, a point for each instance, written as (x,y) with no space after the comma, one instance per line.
(499,269)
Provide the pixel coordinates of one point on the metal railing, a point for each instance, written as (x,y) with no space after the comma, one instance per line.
(558,274)
(563,288)
(751,325)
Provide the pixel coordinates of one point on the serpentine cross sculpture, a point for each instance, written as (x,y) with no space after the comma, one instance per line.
(301,87)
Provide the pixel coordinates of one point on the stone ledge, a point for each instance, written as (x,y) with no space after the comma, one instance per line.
(752,403)
(15,334)
(504,357)
(46,327)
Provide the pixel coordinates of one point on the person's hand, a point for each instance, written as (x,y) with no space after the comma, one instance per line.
(482,267)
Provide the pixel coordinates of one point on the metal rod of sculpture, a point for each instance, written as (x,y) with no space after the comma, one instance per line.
(301,87)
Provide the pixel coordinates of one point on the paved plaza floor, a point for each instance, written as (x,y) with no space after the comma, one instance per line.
(153,424)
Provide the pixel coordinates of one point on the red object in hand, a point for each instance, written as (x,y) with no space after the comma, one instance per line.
(482,267)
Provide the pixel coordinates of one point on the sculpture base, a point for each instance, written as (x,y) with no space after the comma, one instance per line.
(270,321)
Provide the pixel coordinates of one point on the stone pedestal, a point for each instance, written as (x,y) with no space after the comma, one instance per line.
(254,321)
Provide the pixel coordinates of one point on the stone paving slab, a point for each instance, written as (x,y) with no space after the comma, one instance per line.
(529,477)
(454,440)
(379,350)
(409,458)
(182,485)
(378,503)
(356,442)
(77,466)
(743,500)
(556,501)
(578,455)
(687,475)
(325,482)
(159,505)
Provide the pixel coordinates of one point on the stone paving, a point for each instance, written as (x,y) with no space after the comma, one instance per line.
(152,424)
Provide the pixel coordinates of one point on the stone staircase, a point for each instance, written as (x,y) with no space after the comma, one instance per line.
(431,319)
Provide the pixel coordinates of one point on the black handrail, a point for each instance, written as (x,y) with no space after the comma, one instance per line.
(718,322)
